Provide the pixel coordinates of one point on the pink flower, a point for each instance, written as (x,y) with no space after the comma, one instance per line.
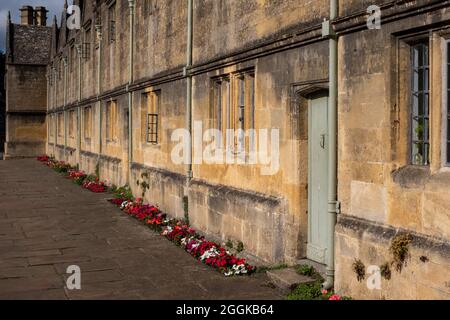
(335,297)
(324,291)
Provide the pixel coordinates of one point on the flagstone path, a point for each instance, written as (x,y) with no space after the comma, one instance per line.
(48,223)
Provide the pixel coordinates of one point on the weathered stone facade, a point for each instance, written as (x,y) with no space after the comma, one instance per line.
(278,49)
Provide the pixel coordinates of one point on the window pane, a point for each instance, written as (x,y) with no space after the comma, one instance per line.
(448,102)
(418,155)
(421,79)
(426,133)
(425,54)
(415,55)
(420,105)
(415,84)
(416,129)
(448,52)
(448,130)
(448,152)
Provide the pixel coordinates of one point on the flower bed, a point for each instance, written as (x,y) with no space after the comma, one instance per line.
(180,233)
(91,183)
(177,231)
(43,158)
(77,176)
(94,186)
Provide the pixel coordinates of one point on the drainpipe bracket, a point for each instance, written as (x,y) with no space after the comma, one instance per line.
(338,207)
(328,30)
(334,207)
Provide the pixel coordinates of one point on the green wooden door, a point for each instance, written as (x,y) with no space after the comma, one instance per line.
(318,179)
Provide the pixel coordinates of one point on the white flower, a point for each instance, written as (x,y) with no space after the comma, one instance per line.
(167,230)
(211,253)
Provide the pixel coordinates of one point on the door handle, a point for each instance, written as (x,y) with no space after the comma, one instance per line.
(322,141)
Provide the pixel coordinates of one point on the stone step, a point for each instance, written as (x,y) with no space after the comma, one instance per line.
(287,279)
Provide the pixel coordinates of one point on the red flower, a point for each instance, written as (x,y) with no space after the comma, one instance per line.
(335,297)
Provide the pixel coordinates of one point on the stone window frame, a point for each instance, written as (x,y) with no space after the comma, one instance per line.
(405,173)
(71,124)
(111,120)
(87,123)
(220,110)
(86,47)
(60,124)
(51,126)
(112,22)
(247,103)
(151,106)
(401,112)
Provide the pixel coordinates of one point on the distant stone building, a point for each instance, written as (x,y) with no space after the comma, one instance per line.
(363,118)
(27,57)
(2,103)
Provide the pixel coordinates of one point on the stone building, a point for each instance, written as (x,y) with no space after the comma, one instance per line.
(2,104)
(27,57)
(362,114)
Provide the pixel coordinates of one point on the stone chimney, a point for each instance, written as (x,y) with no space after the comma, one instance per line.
(40,14)
(27,15)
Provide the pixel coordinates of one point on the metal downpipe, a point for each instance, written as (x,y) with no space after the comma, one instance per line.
(131,4)
(189,92)
(332,150)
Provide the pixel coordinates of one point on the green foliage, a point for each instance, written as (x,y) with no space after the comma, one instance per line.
(97,170)
(400,251)
(240,247)
(186,208)
(144,184)
(385,271)
(229,244)
(305,270)
(360,269)
(123,193)
(308,291)
(61,167)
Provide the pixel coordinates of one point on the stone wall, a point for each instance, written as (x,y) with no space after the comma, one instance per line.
(26,130)
(380,193)
(377,183)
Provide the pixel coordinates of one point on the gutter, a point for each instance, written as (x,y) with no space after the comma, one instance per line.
(56,116)
(131,4)
(65,103)
(79,51)
(98,29)
(333,205)
(188,76)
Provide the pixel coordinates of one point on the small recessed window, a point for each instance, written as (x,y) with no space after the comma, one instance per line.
(111,120)
(153,125)
(112,23)
(87,116)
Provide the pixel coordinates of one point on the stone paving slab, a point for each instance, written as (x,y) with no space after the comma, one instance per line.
(48,223)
